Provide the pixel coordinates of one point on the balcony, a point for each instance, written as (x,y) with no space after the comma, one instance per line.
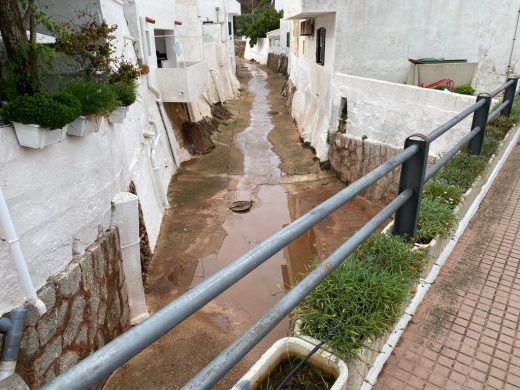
(233,7)
(183,83)
(304,9)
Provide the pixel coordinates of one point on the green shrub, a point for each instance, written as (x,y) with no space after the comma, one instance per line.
(515,112)
(392,254)
(96,98)
(363,299)
(440,189)
(499,127)
(126,92)
(462,170)
(465,90)
(436,219)
(490,146)
(50,112)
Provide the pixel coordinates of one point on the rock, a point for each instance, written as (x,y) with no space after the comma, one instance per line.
(30,342)
(48,295)
(47,327)
(77,313)
(61,313)
(87,271)
(82,337)
(98,259)
(94,300)
(68,359)
(68,280)
(51,352)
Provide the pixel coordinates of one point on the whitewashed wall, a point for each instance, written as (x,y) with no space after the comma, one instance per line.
(63,193)
(312,100)
(378,37)
(389,112)
(259,52)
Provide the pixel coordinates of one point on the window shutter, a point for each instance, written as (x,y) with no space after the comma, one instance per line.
(322,46)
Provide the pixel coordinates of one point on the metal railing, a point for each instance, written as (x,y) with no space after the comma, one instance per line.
(406,205)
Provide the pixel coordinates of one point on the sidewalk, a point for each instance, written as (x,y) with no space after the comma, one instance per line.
(465,334)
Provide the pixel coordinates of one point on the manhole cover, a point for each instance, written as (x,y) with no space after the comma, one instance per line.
(241,206)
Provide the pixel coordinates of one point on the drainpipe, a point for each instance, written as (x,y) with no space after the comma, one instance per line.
(12,328)
(154,138)
(509,70)
(7,225)
(125,215)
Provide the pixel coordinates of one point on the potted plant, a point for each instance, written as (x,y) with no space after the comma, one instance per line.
(40,120)
(97,99)
(322,368)
(126,94)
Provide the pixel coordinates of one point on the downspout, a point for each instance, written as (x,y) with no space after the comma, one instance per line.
(154,138)
(509,70)
(7,225)
(12,328)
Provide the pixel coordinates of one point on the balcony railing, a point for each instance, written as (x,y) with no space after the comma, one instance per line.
(182,83)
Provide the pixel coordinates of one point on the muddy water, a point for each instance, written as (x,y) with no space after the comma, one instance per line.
(258,291)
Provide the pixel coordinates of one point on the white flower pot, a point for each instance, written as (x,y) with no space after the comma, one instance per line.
(81,127)
(36,137)
(118,115)
(292,346)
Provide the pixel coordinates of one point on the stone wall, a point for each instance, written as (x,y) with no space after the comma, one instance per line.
(278,63)
(87,306)
(353,158)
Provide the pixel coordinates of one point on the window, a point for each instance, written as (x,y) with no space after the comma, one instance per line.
(320,45)
(230,28)
(288,39)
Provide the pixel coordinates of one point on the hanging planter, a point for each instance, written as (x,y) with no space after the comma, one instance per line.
(82,126)
(41,120)
(272,366)
(118,115)
(37,137)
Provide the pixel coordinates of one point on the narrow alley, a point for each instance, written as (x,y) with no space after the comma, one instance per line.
(258,157)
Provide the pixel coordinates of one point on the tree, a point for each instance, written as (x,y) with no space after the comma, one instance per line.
(265,18)
(16,17)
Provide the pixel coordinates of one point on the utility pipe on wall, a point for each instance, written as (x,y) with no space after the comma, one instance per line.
(12,328)
(6,222)
(125,215)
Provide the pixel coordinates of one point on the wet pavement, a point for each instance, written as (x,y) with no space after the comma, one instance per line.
(258,157)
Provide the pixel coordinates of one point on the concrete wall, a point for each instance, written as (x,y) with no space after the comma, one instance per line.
(377,38)
(87,307)
(259,52)
(388,112)
(62,194)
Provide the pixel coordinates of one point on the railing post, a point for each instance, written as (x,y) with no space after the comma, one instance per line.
(509,94)
(412,176)
(480,118)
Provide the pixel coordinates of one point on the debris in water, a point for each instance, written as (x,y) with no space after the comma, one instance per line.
(241,206)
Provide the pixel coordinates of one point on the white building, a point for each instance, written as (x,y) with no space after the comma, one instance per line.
(60,196)
(340,49)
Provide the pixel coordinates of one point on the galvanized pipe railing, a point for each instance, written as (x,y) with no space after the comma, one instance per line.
(244,343)
(406,205)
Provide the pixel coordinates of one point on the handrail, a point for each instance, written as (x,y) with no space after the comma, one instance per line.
(101,363)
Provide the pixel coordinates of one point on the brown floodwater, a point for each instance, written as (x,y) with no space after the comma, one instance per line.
(260,183)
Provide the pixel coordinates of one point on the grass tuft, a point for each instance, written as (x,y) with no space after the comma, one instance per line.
(442,190)
(436,219)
